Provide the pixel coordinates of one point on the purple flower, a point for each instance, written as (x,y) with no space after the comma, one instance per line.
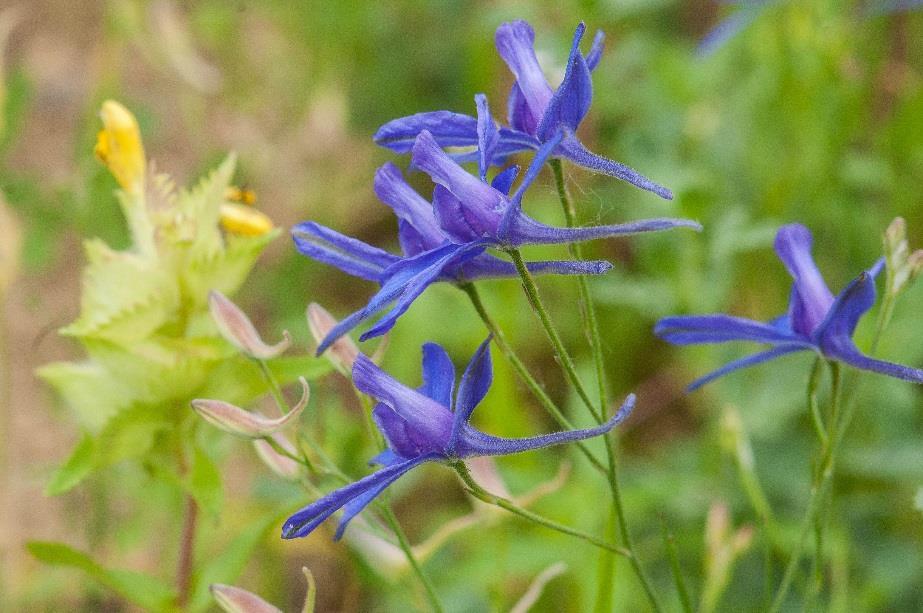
(747,11)
(428,257)
(816,320)
(472,212)
(425,425)
(537,114)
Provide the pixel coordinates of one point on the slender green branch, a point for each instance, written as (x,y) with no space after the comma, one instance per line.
(547,403)
(670,543)
(483,495)
(563,356)
(411,558)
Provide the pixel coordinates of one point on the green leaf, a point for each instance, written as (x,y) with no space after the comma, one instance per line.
(231,560)
(88,389)
(130,434)
(143,590)
(239,380)
(204,483)
(80,464)
(918,500)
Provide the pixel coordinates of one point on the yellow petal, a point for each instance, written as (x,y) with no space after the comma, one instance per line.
(240,219)
(119,147)
(244,195)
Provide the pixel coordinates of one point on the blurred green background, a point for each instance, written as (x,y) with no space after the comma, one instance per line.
(813,113)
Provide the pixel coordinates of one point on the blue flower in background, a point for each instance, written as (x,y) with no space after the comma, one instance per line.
(746,12)
(816,320)
(428,257)
(537,114)
(472,212)
(424,425)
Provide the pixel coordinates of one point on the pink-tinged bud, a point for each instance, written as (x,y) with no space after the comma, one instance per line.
(282,466)
(343,352)
(246,424)
(236,327)
(236,600)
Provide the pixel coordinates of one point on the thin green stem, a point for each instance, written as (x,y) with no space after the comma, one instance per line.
(563,356)
(547,403)
(670,543)
(411,558)
(483,495)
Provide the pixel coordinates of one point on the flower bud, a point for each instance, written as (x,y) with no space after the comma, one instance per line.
(343,352)
(119,147)
(236,600)
(282,466)
(722,548)
(241,219)
(237,329)
(246,424)
(902,265)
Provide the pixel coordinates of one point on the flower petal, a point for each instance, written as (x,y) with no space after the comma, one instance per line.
(719,328)
(394,428)
(524,230)
(849,306)
(475,383)
(518,113)
(474,443)
(350,255)
(574,150)
(407,204)
(752,360)
(449,129)
(503,182)
(571,101)
(310,517)
(596,51)
(429,421)
(488,136)
(486,266)
(516,44)
(438,374)
(849,354)
(811,299)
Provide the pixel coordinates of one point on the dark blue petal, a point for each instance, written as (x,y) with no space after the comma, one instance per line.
(355,506)
(449,129)
(574,150)
(410,287)
(350,255)
(849,354)
(307,519)
(400,437)
(474,385)
(694,329)
(504,180)
(489,267)
(429,421)
(438,374)
(572,99)
(474,443)
(488,136)
(514,141)
(518,113)
(386,458)
(525,230)
(408,205)
(596,51)
(811,299)
(516,45)
(412,242)
(461,224)
(752,360)
(851,304)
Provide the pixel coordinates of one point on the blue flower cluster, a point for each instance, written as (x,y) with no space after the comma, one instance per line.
(459,234)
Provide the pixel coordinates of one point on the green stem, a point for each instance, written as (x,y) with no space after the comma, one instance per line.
(408,552)
(670,542)
(483,495)
(564,358)
(822,482)
(523,372)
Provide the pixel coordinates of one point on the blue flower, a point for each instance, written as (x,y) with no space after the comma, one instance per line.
(537,114)
(428,257)
(424,425)
(816,320)
(472,212)
(747,11)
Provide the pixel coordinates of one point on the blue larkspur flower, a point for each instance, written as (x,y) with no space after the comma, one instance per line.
(816,320)
(536,113)
(425,425)
(428,257)
(744,14)
(473,212)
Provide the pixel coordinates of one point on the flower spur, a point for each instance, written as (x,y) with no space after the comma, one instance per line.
(424,425)
(536,113)
(816,320)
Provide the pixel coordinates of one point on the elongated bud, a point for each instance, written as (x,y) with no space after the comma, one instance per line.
(119,147)
(246,424)
(282,466)
(236,327)
(722,548)
(902,265)
(244,220)
(310,597)
(343,352)
(236,600)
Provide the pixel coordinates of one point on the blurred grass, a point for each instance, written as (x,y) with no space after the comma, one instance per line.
(812,113)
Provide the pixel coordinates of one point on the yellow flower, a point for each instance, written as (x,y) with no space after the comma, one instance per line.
(241,219)
(118,146)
